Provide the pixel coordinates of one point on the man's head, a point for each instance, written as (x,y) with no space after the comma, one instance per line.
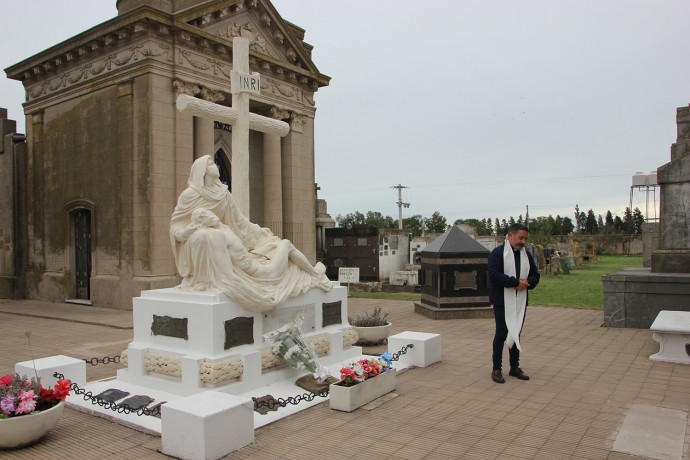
(517,236)
(205,217)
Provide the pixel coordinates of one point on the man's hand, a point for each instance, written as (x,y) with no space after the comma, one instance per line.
(524,284)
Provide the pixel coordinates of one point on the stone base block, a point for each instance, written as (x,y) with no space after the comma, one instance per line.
(453,312)
(672,332)
(426,348)
(72,368)
(207,425)
(634,297)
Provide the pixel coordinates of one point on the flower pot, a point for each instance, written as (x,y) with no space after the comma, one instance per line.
(373,334)
(347,399)
(24,430)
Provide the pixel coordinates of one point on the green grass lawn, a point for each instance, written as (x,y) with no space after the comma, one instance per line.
(582,287)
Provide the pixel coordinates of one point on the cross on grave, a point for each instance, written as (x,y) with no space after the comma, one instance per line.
(239,116)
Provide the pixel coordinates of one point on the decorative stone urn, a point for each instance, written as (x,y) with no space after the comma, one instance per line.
(347,399)
(373,334)
(25,430)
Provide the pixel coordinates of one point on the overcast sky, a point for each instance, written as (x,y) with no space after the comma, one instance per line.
(479,107)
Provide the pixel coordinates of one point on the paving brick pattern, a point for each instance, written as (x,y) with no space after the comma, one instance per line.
(584,378)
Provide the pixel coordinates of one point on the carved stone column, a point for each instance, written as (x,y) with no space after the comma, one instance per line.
(273,182)
(204,138)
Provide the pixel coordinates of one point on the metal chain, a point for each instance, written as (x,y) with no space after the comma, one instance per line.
(155,412)
(104,360)
(294,400)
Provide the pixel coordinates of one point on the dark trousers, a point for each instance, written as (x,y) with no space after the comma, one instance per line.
(500,338)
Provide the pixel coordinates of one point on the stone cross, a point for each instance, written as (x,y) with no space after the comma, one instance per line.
(239,116)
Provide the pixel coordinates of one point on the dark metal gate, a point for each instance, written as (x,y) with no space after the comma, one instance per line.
(82,248)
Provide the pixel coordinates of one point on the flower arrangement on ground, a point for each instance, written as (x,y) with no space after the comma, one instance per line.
(288,344)
(20,395)
(365,369)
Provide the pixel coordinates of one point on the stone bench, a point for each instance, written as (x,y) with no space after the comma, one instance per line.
(672,331)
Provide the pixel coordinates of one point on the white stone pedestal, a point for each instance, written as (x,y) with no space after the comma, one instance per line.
(72,368)
(426,348)
(206,426)
(175,364)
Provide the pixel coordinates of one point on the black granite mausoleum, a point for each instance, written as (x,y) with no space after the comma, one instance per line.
(454,275)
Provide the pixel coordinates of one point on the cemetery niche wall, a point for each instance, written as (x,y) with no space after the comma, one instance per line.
(454,278)
(107,153)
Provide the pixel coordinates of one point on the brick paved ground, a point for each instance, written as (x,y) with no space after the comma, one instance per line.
(584,380)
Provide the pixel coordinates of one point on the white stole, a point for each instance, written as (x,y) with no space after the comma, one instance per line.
(515,301)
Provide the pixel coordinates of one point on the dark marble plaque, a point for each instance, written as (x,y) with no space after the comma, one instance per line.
(239,331)
(111,395)
(331,313)
(136,402)
(169,326)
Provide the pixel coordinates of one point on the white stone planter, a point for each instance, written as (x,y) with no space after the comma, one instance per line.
(347,399)
(373,334)
(25,430)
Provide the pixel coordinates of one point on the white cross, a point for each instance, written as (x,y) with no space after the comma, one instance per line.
(239,116)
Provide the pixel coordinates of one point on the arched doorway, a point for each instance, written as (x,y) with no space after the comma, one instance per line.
(224,167)
(82,252)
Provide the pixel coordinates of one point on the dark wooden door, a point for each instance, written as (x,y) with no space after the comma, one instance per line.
(82,247)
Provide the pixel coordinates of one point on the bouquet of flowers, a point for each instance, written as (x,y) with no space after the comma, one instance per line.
(289,344)
(20,395)
(364,369)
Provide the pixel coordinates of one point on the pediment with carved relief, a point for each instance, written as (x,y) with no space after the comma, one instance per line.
(269,35)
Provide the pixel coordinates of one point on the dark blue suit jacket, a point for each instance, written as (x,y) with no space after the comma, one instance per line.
(499,280)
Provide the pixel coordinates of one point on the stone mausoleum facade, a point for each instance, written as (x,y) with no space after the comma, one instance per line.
(107,154)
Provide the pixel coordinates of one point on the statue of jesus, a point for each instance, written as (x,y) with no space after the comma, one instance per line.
(220,249)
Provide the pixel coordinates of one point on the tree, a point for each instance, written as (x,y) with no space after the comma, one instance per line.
(489,226)
(497,227)
(558,225)
(356,217)
(413,224)
(591,227)
(628,220)
(568,226)
(478,225)
(436,223)
(600,224)
(609,222)
(637,221)
(618,225)
(376,219)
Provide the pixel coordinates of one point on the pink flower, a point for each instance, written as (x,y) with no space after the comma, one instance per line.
(25,406)
(7,405)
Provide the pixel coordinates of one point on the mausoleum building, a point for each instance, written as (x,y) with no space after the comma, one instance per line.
(107,153)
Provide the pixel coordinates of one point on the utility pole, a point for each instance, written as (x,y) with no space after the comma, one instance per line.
(400,204)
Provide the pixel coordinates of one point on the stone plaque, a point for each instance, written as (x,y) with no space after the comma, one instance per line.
(466,280)
(331,312)
(111,395)
(136,402)
(278,318)
(169,326)
(239,331)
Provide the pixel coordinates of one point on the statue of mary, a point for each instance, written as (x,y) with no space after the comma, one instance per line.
(214,256)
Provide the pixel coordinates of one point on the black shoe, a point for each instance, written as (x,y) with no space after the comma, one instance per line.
(517,372)
(497,377)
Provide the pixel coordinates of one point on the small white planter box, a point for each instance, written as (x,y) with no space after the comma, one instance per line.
(347,399)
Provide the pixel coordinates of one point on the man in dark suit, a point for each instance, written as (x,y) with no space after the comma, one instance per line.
(512,272)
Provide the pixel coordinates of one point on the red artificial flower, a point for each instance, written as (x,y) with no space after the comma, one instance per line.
(6,380)
(62,388)
(47,395)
